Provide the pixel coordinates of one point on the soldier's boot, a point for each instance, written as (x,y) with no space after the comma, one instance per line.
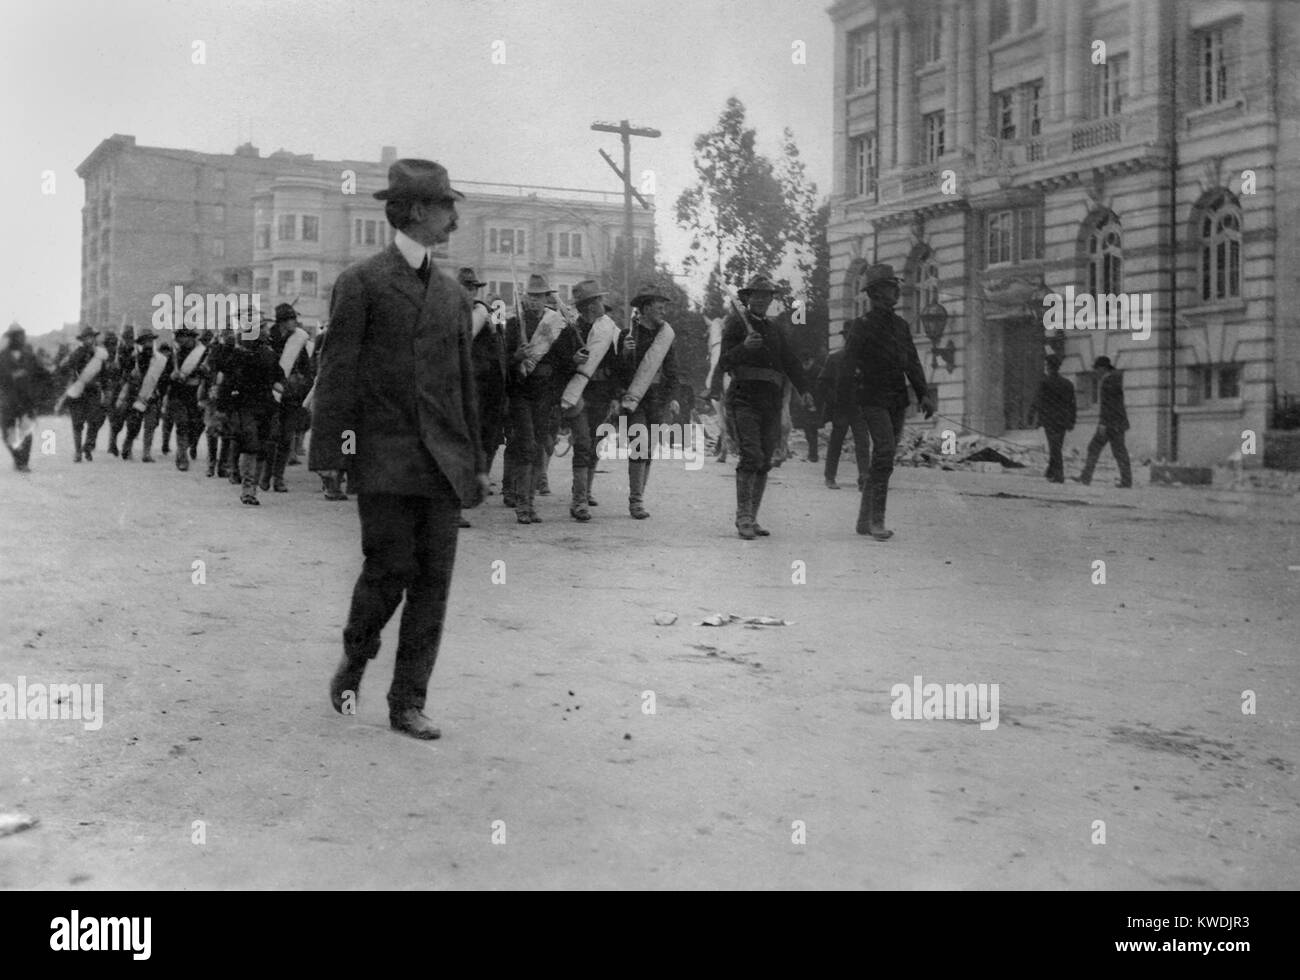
(248,465)
(212,455)
(867,508)
(114,429)
(522,494)
(530,496)
(167,427)
(295,454)
(638,472)
(745,504)
(76,442)
(132,430)
(760,484)
(182,449)
(544,484)
(277,471)
(509,479)
(23,455)
(146,454)
(578,505)
(591,476)
(878,529)
(231,455)
(333,487)
(263,472)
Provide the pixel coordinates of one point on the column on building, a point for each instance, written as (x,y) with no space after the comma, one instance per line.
(959,135)
(1073,68)
(966,75)
(1154,24)
(1053,32)
(906,94)
(888,88)
(1137,80)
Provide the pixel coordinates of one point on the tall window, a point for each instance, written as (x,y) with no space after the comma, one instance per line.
(862,166)
(1028,14)
(1214,382)
(1111,80)
(308,283)
(372,233)
(1004,114)
(1013,236)
(862,65)
(931,38)
(1221,252)
(218,248)
(570,245)
(288,226)
(506,241)
(310,228)
(925,291)
(284,282)
(218,180)
(1105,257)
(933,129)
(1216,52)
(1033,96)
(263,236)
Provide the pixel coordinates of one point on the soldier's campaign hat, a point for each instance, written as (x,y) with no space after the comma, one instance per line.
(207,337)
(757,284)
(185,331)
(538,286)
(147,335)
(15,329)
(468,279)
(585,290)
(878,274)
(1103,362)
(87,331)
(418,180)
(285,311)
(128,331)
(648,294)
(110,336)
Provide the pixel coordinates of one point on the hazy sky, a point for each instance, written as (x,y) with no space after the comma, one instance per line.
(341,79)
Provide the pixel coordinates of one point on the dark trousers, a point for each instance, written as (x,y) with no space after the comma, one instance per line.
(491,417)
(1116,439)
(526,449)
(87,416)
(755,411)
(134,420)
(285,428)
(885,428)
(840,425)
(811,432)
(584,426)
(1055,462)
(409,545)
(187,416)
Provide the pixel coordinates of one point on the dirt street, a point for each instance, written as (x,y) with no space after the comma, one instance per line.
(771,758)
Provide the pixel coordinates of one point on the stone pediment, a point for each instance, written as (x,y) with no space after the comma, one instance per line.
(1013,291)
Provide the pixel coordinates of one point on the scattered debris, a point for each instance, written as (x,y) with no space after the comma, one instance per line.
(665,619)
(13,823)
(717,619)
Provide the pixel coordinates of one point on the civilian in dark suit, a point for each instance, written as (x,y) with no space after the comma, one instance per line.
(395,400)
(1054,408)
(1112,423)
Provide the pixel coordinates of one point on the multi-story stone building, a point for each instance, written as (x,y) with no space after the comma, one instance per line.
(1000,152)
(284,226)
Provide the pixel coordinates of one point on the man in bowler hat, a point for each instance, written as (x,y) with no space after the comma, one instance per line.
(1112,423)
(1054,409)
(395,401)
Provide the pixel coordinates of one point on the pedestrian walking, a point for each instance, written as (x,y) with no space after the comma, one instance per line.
(1112,423)
(1054,409)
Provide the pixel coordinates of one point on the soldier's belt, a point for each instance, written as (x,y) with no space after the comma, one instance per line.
(746,372)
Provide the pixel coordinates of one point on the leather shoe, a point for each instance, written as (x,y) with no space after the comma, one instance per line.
(346,678)
(412,721)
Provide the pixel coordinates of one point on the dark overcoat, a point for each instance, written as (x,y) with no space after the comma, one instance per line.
(397,373)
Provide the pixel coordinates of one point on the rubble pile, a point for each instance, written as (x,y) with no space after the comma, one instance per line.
(924,447)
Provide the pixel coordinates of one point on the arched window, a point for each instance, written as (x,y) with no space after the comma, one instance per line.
(925,291)
(1105,257)
(1220,234)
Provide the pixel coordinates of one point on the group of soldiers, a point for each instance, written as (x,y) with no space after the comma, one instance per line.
(241,389)
(549,367)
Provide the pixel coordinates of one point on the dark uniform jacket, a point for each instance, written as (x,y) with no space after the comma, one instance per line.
(140,367)
(250,372)
(547,379)
(488,354)
(77,363)
(1113,415)
(298,381)
(880,362)
(1054,404)
(21,381)
(626,362)
(747,366)
(398,373)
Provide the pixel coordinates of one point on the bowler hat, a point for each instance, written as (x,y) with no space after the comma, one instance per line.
(147,335)
(585,290)
(1103,362)
(538,286)
(757,284)
(418,180)
(87,331)
(878,274)
(468,279)
(648,294)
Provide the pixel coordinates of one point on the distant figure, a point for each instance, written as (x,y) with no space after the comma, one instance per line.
(842,417)
(809,422)
(1112,423)
(1054,409)
(21,380)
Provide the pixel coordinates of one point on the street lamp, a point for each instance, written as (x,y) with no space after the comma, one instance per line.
(934,318)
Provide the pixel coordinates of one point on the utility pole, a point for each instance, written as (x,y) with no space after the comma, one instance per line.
(626,131)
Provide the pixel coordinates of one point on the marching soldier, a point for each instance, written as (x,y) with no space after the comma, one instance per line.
(880,360)
(759,359)
(592,392)
(531,393)
(21,378)
(183,395)
(85,368)
(143,393)
(648,372)
(250,376)
(289,341)
(123,365)
(110,379)
(487,353)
